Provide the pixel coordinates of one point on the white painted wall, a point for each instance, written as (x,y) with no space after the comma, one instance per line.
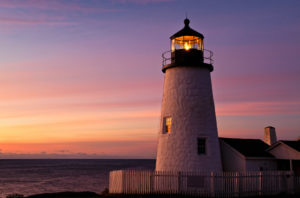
(283,151)
(188,99)
(231,159)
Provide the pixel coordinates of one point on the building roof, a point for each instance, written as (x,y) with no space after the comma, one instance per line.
(293,144)
(186,31)
(249,147)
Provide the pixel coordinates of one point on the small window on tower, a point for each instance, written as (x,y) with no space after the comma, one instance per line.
(167,124)
(201,146)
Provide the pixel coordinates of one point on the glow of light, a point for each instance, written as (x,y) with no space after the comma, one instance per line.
(187,46)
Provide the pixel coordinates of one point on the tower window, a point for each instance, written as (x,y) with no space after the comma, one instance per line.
(167,124)
(201,146)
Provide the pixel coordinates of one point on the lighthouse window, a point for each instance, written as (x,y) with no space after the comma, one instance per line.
(201,146)
(167,124)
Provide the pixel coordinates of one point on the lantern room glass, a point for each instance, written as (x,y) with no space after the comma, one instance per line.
(187,43)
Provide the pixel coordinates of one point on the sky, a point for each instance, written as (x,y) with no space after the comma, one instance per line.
(82,78)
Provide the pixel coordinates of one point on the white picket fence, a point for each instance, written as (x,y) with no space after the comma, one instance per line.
(209,184)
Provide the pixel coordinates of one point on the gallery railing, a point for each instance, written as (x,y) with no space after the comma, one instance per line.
(207,55)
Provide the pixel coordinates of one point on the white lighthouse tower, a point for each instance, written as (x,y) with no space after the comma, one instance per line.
(188,136)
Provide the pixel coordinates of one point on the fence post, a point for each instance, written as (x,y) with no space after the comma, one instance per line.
(179,182)
(212,184)
(151,182)
(236,180)
(260,183)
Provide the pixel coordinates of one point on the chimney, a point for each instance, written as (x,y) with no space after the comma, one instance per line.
(270,135)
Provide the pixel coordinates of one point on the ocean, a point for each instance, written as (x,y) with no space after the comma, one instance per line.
(34,176)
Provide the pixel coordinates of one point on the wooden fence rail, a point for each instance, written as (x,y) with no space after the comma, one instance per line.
(209,184)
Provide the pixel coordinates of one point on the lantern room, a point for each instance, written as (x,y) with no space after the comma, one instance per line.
(187,43)
(186,49)
(187,39)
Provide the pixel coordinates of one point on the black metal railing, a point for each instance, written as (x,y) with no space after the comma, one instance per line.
(207,55)
(166,58)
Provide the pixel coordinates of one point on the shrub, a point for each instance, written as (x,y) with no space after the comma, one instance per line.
(15,196)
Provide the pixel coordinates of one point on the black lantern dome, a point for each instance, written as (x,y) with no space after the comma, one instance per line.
(187,49)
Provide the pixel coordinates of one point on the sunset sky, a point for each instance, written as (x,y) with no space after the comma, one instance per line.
(82,78)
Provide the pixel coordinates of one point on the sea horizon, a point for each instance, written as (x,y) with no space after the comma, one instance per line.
(36,176)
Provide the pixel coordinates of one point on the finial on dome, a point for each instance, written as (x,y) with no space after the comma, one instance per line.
(186,22)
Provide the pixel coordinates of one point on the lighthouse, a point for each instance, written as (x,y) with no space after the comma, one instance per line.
(188,135)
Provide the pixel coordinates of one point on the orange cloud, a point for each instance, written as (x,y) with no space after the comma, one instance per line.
(144,148)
